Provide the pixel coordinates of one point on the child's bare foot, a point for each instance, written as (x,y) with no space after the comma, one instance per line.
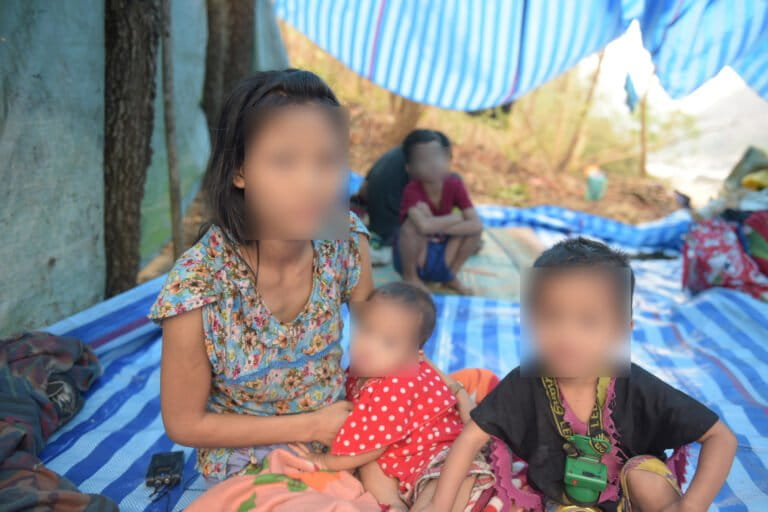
(456,285)
(415,281)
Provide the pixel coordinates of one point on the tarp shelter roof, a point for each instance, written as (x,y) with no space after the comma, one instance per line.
(469,55)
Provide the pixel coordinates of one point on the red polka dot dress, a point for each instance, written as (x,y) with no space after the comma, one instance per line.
(413,416)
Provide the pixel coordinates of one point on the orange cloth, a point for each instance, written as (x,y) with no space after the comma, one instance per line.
(477,381)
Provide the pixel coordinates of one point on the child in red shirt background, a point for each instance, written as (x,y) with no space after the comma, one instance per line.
(440,228)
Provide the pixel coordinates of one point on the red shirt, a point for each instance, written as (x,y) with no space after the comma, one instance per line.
(413,416)
(454,196)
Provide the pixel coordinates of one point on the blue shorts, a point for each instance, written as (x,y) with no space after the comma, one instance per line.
(435,269)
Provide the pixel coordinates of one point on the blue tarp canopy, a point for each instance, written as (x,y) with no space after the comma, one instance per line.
(469,55)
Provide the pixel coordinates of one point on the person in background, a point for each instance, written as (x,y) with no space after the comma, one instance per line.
(382,191)
(439,227)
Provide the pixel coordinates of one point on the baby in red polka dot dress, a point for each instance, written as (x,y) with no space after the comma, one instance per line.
(406,413)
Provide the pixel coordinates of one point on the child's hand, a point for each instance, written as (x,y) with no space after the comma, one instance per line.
(318,459)
(465,405)
(424,207)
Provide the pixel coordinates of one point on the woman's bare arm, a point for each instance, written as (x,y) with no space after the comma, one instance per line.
(364,285)
(185,385)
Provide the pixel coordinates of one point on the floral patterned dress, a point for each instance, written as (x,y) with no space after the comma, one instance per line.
(260,365)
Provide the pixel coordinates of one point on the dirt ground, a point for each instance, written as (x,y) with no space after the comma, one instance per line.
(485,169)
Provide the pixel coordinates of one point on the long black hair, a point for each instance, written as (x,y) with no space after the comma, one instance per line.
(246,109)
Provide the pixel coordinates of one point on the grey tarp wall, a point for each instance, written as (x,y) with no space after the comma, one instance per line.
(51,141)
(51,148)
(268,49)
(189,40)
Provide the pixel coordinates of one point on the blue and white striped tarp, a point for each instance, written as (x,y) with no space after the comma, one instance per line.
(665,234)
(469,55)
(691,40)
(713,347)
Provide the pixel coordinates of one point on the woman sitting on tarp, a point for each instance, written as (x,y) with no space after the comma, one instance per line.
(252,313)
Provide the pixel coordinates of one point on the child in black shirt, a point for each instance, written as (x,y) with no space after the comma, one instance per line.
(590,443)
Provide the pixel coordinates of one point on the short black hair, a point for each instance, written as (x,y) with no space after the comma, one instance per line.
(583,252)
(415,297)
(423,137)
(245,110)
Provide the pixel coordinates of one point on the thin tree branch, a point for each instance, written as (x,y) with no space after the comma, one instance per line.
(174,187)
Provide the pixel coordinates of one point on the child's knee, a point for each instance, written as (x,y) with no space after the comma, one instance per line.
(648,490)
(475,241)
(409,230)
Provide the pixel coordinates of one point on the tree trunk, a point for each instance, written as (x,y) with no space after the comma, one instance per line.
(174,187)
(132,32)
(643,133)
(228,54)
(578,133)
(562,116)
(405,117)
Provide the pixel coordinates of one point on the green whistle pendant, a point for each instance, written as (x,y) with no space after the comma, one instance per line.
(585,475)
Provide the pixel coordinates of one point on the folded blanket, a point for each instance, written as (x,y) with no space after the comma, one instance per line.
(42,378)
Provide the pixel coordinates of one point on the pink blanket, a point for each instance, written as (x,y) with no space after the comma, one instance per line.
(286,483)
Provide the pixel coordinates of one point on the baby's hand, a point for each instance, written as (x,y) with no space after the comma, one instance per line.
(318,459)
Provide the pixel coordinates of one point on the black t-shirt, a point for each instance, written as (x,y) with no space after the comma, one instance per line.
(650,416)
(384,185)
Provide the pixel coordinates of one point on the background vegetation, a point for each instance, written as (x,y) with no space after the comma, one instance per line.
(532,153)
